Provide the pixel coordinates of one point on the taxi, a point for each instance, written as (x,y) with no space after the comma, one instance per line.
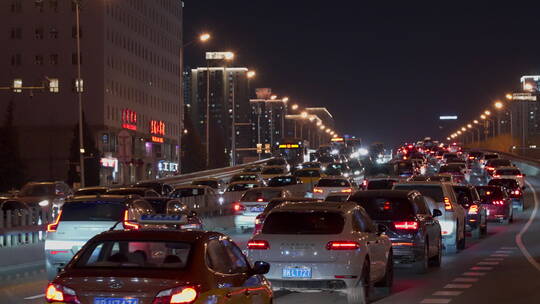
(310,176)
(157,266)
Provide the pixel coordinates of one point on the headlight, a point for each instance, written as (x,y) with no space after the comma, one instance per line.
(363,151)
(323,168)
(44,203)
(221,200)
(346,174)
(356,172)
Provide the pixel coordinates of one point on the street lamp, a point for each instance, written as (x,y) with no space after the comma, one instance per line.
(204,37)
(251,74)
(499,105)
(285,99)
(509,96)
(487,112)
(294,107)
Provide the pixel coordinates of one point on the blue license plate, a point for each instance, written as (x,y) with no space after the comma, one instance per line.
(297,273)
(257,209)
(115,301)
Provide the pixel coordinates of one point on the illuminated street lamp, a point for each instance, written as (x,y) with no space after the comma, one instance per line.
(273,97)
(251,74)
(448,138)
(463,129)
(294,107)
(483,117)
(475,121)
(285,99)
(509,96)
(459,132)
(499,105)
(229,55)
(487,112)
(322,127)
(205,37)
(304,115)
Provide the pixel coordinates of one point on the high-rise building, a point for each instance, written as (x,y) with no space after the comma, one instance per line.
(267,118)
(228,93)
(130,81)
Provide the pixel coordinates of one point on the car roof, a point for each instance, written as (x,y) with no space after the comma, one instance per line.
(309,169)
(251,182)
(385,193)
(506,168)
(96,198)
(294,199)
(299,206)
(192,186)
(158,234)
(129,189)
(273,167)
(336,178)
(264,188)
(430,183)
(94,188)
(282,176)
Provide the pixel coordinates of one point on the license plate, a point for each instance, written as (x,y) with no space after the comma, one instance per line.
(257,209)
(297,272)
(115,301)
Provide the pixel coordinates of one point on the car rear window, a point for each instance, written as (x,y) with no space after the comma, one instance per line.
(93,211)
(241,187)
(265,194)
(333,183)
(273,171)
(500,163)
(433,191)
(311,165)
(490,192)
(336,198)
(245,177)
(135,254)
(281,181)
(326,159)
(440,178)
(507,183)
(210,183)
(318,222)
(187,192)
(507,172)
(450,169)
(90,192)
(387,209)
(476,154)
(463,191)
(380,184)
(38,190)
(308,173)
(491,156)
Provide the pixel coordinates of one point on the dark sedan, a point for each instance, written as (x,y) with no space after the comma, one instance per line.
(469,199)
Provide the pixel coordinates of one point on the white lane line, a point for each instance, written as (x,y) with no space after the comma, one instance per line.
(457,286)
(436,301)
(35,297)
(447,293)
(519,236)
(477,268)
(504,251)
(509,248)
(474,274)
(500,255)
(465,280)
(488,263)
(494,259)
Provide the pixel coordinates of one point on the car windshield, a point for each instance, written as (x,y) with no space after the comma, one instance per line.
(311,165)
(433,191)
(273,171)
(210,183)
(83,211)
(490,192)
(380,184)
(37,190)
(158,204)
(241,187)
(276,162)
(135,254)
(90,191)
(451,169)
(281,181)
(244,177)
(308,173)
(387,209)
(507,183)
(491,156)
(507,172)
(463,191)
(327,182)
(318,222)
(187,192)
(260,194)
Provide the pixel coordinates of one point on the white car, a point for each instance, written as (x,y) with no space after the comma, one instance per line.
(453,220)
(328,185)
(510,173)
(253,203)
(324,247)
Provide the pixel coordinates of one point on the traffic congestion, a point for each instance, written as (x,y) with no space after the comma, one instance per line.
(343,221)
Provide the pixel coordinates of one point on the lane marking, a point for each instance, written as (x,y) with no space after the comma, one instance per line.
(35,297)
(500,255)
(457,286)
(494,259)
(448,293)
(465,280)
(476,268)
(436,301)
(509,248)
(488,263)
(504,251)
(519,236)
(474,274)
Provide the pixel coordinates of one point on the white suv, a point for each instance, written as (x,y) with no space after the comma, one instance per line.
(324,247)
(453,221)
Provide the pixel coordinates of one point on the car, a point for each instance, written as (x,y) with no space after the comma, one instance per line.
(380,183)
(342,167)
(272,171)
(496,163)
(244,177)
(497,202)
(309,175)
(405,168)
(309,165)
(337,197)
(15,212)
(458,171)
(170,206)
(252,169)
(453,219)
(91,191)
(49,196)
(259,219)
(82,218)
(448,178)
(514,191)
(253,203)
(469,199)
(325,160)
(162,188)
(278,161)
(242,186)
(284,180)
(191,191)
(411,226)
(142,192)
(490,156)
(214,183)
(160,266)
(333,172)
(510,172)
(328,185)
(352,253)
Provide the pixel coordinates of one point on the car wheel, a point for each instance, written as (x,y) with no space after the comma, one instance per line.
(385,285)
(360,293)
(436,261)
(462,241)
(421,265)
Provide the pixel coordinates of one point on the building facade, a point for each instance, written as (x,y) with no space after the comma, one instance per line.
(268,118)
(130,80)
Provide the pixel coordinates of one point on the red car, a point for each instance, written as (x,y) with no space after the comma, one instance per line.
(497,202)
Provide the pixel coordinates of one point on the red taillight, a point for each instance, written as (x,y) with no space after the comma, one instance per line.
(498,202)
(260,200)
(342,245)
(519,175)
(317,190)
(57,293)
(473,209)
(258,245)
(128,224)
(496,176)
(516,193)
(348,190)
(238,207)
(406,225)
(179,295)
(490,168)
(387,206)
(447,204)
(365,183)
(54,226)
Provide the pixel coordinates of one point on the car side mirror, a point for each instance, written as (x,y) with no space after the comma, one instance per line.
(381,229)
(260,267)
(437,213)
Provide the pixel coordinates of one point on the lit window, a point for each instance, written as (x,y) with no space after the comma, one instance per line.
(54,85)
(79,85)
(17,85)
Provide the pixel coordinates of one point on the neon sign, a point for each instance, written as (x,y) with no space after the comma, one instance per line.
(157,139)
(157,128)
(129,119)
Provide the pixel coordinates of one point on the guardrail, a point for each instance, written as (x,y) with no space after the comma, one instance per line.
(22,227)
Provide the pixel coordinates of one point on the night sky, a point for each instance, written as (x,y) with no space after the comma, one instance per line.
(385,71)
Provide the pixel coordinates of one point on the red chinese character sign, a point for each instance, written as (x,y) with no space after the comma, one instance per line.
(157,129)
(129,119)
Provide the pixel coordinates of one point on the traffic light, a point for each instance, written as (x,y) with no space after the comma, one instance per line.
(267,148)
(259,148)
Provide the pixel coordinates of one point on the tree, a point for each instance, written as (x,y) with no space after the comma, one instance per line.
(11,167)
(91,157)
(193,156)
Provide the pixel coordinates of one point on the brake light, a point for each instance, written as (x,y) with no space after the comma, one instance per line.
(496,176)
(447,204)
(365,183)
(258,245)
(473,209)
(237,207)
(516,193)
(406,225)
(342,245)
(179,295)
(498,202)
(260,200)
(490,168)
(58,293)
(318,190)
(387,206)
(348,190)
(128,224)
(519,175)
(54,226)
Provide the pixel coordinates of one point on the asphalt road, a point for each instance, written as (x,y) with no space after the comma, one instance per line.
(504,267)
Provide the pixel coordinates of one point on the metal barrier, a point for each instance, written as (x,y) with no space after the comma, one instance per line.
(20,228)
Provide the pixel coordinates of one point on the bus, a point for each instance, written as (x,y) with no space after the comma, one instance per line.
(293,150)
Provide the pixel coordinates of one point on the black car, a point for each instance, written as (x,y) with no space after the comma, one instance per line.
(514,191)
(284,180)
(414,232)
(142,192)
(469,199)
(163,189)
(171,206)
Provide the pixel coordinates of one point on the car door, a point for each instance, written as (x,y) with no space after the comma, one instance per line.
(432,232)
(362,225)
(225,284)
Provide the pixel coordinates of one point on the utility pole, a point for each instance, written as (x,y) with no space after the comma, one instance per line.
(79,88)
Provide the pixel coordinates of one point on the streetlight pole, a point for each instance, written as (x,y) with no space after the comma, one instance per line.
(233,135)
(79,88)
(207,113)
